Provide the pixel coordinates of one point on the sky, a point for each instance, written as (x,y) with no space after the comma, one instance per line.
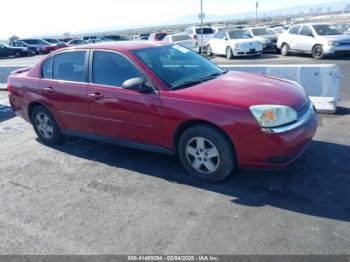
(37,17)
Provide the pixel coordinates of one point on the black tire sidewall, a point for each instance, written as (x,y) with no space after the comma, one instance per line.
(284,46)
(229,49)
(57,135)
(209,51)
(226,152)
(313,52)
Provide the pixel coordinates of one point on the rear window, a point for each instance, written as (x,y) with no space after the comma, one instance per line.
(46,70)
(160,36)
(70,66)
(239,34)
(181,37)
(206,31)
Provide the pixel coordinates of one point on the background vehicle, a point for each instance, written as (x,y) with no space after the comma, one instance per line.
(184,40)
(234,42)
(278,30)
(33,49)
(77,42)
(267,37)
(114,38)
(96,40)
(56,42)
(45,47)
(6,51)
(157,36)
(139,92)
(316,39)
(196,33)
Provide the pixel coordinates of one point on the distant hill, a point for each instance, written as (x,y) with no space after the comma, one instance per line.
(332,6)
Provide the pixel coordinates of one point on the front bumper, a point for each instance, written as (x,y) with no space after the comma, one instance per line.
(278,148)
(336,50)
(246,52)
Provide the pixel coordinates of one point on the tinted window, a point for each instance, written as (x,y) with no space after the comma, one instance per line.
(261,31)
(46,71)
(112,69)
(70,66)
(221,34)
(206,31)
(294,30)
(306,31)
(159,37)
(327,30)
(239,34)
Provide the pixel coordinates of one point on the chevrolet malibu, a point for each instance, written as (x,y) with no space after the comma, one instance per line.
(165,98)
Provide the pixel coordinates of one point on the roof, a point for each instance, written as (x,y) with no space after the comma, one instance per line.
(122,45)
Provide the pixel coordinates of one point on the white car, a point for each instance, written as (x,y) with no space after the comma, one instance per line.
(196,33)
(316,39)
(183,40)
(234,42)
(267,37)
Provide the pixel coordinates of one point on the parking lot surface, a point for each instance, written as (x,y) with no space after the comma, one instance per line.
(85,197)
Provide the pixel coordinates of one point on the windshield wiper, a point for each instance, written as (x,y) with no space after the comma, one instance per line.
(197,81)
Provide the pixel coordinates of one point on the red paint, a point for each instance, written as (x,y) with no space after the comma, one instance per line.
(154,118)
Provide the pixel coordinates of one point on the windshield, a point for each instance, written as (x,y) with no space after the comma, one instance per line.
(206,31)
(177,66)
(239,34)
(262,31)
(181,37)
(327,30)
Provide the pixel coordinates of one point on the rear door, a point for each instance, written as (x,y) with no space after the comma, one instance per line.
(294,37)
(64,84)
(120,113)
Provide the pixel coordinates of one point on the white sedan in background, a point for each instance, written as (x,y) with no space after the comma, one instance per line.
(184,40)
(234,42)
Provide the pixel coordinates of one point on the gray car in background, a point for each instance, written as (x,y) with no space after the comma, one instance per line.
(266,36)
(316,39)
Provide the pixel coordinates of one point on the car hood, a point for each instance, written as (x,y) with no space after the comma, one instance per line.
(243,41)
(336,37)
(242,90)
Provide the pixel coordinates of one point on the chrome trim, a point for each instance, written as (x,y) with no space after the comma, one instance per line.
(301,121)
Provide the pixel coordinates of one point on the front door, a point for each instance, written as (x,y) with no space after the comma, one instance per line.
(120,113)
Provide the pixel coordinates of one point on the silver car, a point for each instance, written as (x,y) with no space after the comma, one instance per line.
(316,39)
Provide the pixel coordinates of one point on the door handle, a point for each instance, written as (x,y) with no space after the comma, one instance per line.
(96,96)
(49,89)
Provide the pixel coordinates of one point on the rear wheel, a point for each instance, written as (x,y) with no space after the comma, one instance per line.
(46,126)
(229,53)
(285,50)
(205,153)
(317,52)
(209,51)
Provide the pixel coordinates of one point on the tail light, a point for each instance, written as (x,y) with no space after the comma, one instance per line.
(195,37)
(9,87)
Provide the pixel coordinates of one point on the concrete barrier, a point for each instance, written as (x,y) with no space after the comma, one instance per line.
(321,82)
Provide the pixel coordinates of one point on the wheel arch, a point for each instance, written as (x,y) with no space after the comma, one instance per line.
(195,122)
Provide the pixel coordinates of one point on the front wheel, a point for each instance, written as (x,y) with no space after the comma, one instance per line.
(285,50)
(229,53)
(45,126)
(206,153)
(317,52)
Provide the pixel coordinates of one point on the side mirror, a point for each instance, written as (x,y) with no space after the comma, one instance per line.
(138,84)
(226,39)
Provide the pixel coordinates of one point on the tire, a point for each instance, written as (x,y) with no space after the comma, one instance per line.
(45,126)
(285,50)
(205,153)
(317,52)
(209,51)
(229,54)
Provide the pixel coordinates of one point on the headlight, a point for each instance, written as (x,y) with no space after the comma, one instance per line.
(273,115)
(237,45)
(333,43)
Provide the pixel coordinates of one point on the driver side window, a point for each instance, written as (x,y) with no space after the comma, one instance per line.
(112,69)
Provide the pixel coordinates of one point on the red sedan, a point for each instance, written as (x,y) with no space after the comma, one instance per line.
(166,98)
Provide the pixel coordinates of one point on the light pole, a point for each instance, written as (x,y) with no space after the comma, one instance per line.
(256,12)
(201,17)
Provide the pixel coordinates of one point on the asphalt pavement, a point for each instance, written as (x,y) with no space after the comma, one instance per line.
(85,197)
